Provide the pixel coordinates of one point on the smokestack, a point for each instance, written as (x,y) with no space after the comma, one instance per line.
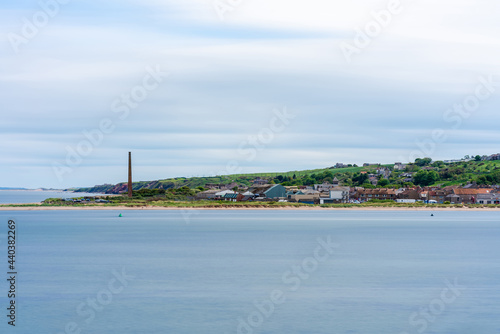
(130,174)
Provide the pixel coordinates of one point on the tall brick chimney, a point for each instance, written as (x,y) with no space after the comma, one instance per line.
(130,174)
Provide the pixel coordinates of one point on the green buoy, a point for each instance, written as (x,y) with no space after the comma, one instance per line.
(120,215)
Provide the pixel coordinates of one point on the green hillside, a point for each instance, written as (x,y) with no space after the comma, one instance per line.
(307,176)
(423,172)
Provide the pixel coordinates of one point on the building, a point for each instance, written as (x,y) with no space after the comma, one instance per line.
(491,198)
(354,190)
(385,172)
(231,197)
(337,195)
(438,195)
(399,166)
(379,193)
(269,191)
(247,196)
(466,196)
(310,192)
(308,199)
(291,192)
(410,194)
(373,180)
(221,194)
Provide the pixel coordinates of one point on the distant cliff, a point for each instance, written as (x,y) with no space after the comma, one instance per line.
(121,188)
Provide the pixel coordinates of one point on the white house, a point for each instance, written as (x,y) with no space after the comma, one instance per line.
(337,195)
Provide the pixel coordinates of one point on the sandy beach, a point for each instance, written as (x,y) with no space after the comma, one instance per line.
(125,208)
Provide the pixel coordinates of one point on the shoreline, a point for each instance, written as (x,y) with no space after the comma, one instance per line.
(159,208)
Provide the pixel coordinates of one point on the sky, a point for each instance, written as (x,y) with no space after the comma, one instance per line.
(211,87)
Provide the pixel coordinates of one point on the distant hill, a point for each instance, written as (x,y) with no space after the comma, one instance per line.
(424,172)
(4,188)
(240,179)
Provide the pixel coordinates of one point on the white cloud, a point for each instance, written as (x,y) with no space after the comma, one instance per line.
(226,77)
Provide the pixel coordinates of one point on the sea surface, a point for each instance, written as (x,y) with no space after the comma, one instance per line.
(190,272)
(29,196)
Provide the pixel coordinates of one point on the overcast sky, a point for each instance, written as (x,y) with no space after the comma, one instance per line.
(354,81)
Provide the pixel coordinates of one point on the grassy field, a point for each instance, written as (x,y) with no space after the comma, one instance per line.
(310,172)
(467,171)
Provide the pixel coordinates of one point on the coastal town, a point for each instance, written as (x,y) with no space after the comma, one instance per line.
(375,186)
(470,180)
(329,193)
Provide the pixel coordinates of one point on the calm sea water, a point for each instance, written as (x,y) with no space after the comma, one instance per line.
(26,196)
(217,272)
